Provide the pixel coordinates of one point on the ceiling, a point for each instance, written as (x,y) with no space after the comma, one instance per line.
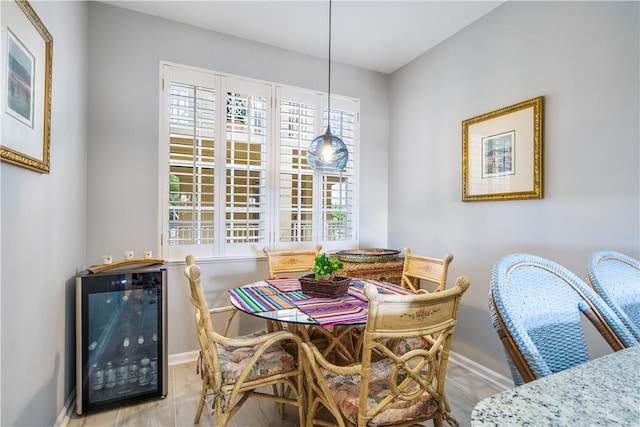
(379,35)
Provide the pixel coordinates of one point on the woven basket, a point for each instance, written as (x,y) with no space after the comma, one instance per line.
(368,255)
(336,287)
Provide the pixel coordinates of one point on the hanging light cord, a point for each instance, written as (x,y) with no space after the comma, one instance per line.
(329,101)
(329,114)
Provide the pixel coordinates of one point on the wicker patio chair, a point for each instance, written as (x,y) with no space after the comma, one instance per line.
(419,269)
(616,278)
(397,389)
(234,369)
(535,305)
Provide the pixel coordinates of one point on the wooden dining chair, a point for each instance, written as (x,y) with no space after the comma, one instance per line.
(233,369)
(421,274)
(291,263)
(536,307)
(424,270)
(395,389)
(335,341)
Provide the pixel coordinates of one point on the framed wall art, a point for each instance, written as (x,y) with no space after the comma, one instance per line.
(27,51)
(502,153)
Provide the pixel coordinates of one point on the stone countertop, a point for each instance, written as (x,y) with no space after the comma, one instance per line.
(603,392)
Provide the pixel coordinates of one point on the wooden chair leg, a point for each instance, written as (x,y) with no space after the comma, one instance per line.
(203,394)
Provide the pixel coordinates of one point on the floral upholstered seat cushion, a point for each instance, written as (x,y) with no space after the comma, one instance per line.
(275,360)
(405,345)
(346,388)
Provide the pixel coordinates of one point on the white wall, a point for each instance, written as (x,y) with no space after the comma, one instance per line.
(125,52)
(43,239)
(583,57)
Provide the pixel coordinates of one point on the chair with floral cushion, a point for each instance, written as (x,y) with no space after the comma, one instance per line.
(422,274)
(616,278)
(234,369)
(395,389)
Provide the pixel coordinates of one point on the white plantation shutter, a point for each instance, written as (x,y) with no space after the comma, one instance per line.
(192,128)
(339,188)
(234,170)
(247,130)
(295,178)
(314,206)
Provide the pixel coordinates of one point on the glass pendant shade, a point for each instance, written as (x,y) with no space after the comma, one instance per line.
(327,153)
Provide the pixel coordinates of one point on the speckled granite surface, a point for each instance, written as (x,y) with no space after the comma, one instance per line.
(602,392)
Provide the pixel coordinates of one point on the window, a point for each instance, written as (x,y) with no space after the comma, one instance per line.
(234,171)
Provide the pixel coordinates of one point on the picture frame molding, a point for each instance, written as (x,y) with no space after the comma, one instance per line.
(41,134)
(517,180)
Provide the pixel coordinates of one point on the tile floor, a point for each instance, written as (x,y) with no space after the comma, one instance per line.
(464,390)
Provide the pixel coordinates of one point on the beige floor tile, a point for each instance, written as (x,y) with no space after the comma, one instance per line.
(99,419)
(464,391)
(473,386)
(152,414)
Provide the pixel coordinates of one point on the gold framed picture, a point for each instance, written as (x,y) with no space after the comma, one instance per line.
(502,153)
(27,50)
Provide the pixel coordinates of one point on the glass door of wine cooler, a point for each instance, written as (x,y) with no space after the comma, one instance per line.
(121,338)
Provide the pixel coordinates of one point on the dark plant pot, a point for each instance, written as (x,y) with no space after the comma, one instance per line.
(324,288)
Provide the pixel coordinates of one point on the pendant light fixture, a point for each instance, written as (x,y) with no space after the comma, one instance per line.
(327,153)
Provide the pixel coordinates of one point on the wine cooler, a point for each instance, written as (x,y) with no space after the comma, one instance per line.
(121,337)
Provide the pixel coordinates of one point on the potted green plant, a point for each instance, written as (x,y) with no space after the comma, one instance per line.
(324,283)
(325,268)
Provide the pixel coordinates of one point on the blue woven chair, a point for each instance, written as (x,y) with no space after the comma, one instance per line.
(535,306)
(616,278)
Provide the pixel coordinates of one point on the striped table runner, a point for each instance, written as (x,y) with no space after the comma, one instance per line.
(280,294)
(256,299)
(333,311)
(356,288)
(348,309)
(285,284)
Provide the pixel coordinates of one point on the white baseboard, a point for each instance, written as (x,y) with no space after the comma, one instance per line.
(481,370)
(180,358)
(64,416)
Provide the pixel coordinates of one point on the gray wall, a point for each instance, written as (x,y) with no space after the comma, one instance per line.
(43,239)
(123,139)
(583,57)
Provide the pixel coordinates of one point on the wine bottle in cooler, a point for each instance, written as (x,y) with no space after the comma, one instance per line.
(110,376)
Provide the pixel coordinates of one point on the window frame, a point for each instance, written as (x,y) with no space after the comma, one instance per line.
(274,93)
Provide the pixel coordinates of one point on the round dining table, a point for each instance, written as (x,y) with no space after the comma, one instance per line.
(332,324)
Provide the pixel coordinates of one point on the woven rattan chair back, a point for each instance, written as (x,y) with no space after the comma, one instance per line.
(291,263)
(230,389)
(394,389)
(418,269)
(535,306)
(616,278)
